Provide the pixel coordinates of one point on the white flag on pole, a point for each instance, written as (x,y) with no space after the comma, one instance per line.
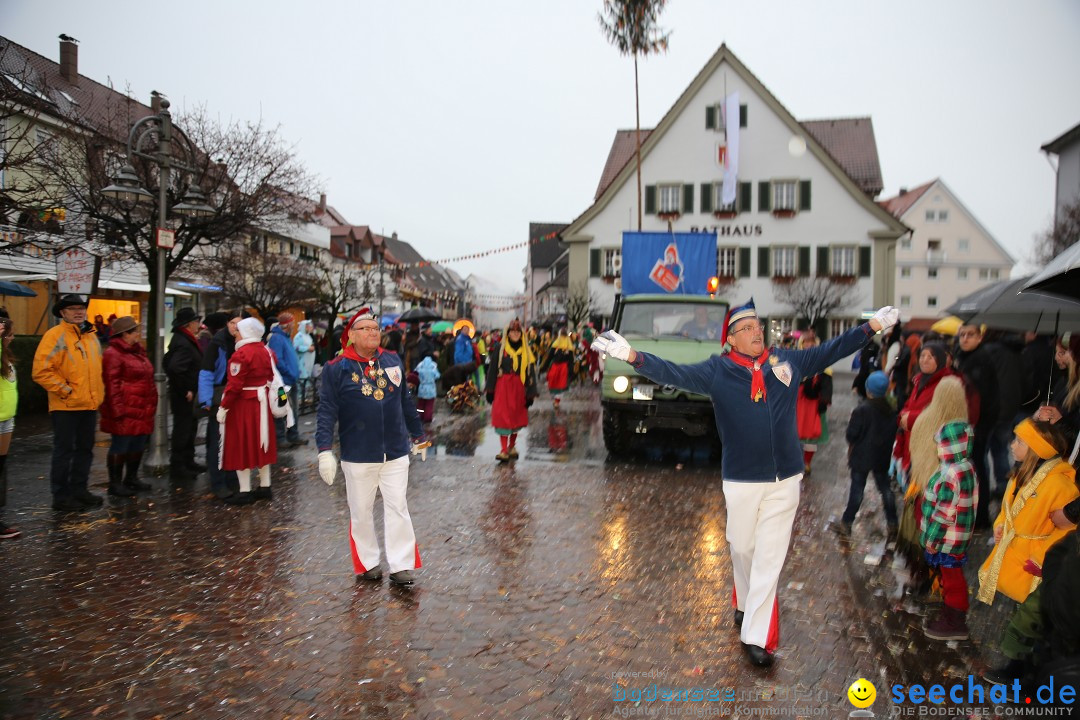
(731,169)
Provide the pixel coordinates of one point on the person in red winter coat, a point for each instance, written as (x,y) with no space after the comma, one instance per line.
(248,439)
(130,403)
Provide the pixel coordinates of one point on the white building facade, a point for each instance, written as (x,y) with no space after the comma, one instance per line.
(949,253)
(798,212)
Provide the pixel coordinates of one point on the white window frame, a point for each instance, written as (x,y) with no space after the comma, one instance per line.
(784,256)
(718,192)
(943,215)
(721,125)
(931,273)
(995,274)
(727,258)
(839,326)
(963,244)
(612,262)
(783,193)
(930,215)
(669,198)
(905,301)
(905,272)
(843,261)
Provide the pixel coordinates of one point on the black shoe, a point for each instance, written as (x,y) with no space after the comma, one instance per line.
(1004,675)
(131,474)
(402,577)
(758,655)
(8,533)
(120,490)
(88,498)
(67,504)
(240,498)
(262,493)
(738,618)
(223,492)
(298,442)
(373,574)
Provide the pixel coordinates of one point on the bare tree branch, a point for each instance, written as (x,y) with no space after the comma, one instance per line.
(580,304)
(814,298)
(1062,234)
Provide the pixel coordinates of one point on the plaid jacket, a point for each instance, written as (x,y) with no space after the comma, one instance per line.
(952,493)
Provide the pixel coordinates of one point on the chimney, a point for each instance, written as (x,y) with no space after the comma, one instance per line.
(155,101)
(69,59)
(903,191)
(322,203)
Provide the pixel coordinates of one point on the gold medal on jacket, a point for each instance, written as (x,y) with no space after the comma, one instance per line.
(366,389)
(355,378)
(381,382)
(379,395)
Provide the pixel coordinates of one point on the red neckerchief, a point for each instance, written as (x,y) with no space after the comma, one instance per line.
(757,378)
(350,352)
(190,335)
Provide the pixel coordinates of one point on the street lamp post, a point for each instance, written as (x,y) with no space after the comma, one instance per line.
(127,192)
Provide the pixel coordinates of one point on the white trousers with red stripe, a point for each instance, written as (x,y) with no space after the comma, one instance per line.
(759,520)
(392,480)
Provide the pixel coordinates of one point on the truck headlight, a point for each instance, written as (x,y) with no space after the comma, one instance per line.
(621,384)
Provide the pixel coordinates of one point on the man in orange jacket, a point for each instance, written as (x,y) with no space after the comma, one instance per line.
(67,364)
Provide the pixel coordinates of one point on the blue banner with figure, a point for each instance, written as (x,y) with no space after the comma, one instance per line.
(664,262)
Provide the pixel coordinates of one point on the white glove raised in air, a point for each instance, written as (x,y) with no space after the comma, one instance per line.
(887,317)
(221,413)
(327,466)
(613,344)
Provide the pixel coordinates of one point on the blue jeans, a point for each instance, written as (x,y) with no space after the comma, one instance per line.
(855,496)
(123,444)
(219,479)
(73,450)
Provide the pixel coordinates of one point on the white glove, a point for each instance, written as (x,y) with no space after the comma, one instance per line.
(327,466)
(887,316)
(613,344)
(221,413)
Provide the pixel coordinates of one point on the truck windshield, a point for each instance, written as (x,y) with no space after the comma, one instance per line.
(694,321)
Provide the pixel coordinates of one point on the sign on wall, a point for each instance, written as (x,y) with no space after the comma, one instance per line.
(77,272)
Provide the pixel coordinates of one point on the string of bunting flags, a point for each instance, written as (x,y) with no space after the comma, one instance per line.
(472,256)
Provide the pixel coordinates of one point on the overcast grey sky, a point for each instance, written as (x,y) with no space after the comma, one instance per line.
(455,124)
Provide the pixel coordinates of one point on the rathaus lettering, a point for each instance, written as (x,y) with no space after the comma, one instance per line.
(730,230)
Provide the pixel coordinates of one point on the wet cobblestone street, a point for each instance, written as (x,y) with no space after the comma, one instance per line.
(541,580)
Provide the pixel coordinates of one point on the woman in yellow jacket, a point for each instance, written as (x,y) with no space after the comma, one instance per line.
(1023,532)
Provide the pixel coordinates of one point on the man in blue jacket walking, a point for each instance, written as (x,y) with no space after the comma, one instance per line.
(288,364)
(363,393)
(753,391)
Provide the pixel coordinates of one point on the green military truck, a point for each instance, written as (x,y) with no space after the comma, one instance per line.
(680,328)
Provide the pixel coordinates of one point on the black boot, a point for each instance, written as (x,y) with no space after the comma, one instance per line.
(116,477)
(132,461)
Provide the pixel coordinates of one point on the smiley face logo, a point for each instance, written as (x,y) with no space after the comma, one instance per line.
(862,694)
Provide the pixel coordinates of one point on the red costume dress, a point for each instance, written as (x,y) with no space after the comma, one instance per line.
(248,439)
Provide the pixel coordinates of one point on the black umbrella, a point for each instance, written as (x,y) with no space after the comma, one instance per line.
(1061,276)
(419,315)
(15,289)
(1003,306)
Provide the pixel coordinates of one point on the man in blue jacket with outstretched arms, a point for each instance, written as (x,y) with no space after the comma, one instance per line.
(364,394)
(753,391)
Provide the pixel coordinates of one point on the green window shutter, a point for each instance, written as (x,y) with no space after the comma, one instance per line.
(763,262)
(688,198)
(804,261)
(710,117)
(764,196)
(745,191)
(744,262)
(742,116)
(706,197)
(804,194)
(864,261)
(650,199)
(594,262)
(823,260)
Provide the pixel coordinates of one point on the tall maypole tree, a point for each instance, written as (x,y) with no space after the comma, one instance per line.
(631,26)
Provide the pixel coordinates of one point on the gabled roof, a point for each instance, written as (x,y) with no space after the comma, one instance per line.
(562,280)
(85,102)
(428,278)
(1069,137)
(899,205)
(545,252)
(619,151)
(623,148)
(851,142)
(904,205)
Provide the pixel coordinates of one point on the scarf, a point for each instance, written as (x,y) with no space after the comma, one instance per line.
(563,343)
(521,356)
(757,378)
(350,352)
(988,576)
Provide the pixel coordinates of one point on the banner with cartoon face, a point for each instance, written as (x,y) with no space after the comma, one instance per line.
(664,262)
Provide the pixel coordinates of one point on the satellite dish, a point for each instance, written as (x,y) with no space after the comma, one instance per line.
(797,146)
